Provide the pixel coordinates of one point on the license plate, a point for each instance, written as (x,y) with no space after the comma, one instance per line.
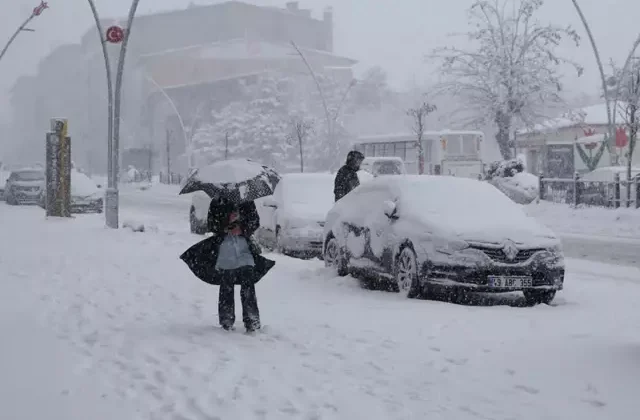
(518,282)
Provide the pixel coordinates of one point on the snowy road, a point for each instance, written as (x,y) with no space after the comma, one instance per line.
(163,204)
(140,324)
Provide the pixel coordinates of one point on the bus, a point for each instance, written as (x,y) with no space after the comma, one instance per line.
(446,152)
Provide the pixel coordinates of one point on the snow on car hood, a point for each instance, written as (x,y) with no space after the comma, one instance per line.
(82,186)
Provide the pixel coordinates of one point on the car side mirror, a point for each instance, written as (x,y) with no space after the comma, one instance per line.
(390,209)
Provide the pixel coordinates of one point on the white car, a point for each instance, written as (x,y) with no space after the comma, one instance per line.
(422,233)
(198,212)
(293,217)
(387,165)
(86,195)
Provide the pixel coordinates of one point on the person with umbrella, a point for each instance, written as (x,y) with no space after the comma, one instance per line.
(230,257)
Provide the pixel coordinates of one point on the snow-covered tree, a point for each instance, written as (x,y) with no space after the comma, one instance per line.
(511,71)
(418,117)
(301,128)
(254,126)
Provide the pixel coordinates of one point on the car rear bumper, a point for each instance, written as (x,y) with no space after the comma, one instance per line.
(301,240)
(477,279)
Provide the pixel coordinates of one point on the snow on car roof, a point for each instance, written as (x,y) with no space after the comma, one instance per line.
(460,204)
(382,158)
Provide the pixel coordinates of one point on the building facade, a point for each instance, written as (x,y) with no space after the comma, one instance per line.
(575,142)
(182,64)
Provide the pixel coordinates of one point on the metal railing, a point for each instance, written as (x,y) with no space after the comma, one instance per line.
(171,178)
(610,194)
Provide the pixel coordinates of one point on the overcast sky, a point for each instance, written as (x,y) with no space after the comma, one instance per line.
(394,34)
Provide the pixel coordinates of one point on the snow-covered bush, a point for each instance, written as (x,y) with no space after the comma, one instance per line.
(509,177)
(505,168)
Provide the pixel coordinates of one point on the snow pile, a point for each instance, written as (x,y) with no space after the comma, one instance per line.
(509,177)
(136,319)
(585,220)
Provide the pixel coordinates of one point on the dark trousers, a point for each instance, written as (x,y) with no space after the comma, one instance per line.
(226,299)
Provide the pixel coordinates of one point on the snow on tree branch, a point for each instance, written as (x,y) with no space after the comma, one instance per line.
(511,71)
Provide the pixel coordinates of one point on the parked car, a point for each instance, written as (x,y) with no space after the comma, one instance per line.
(23,186)
(423,233)
(388,165)
(86,195)
(4,176)
(293,217)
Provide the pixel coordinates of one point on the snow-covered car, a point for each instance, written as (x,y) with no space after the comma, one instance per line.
(86,195)
(24,186)
(4,176)
(387,165)
(428,232)
(293,217)
(198,212)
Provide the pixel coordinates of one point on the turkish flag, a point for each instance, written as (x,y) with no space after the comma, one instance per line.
(621,138)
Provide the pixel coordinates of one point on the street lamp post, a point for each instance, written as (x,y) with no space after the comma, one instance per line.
(114,102)
(37,11)
(331,119)
(187,135)
(603,80)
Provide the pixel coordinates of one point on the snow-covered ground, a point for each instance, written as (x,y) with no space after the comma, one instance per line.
(587,221)
(143,330)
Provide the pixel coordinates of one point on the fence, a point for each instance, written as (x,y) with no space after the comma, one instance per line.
(171,178)
(611,194)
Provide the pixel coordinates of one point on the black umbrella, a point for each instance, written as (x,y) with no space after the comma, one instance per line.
(237,180)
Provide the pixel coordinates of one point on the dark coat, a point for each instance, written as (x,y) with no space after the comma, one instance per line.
(202,257)
(346,180)
(347,176)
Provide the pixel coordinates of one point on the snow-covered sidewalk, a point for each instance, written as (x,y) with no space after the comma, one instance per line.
(141,324)
(40,378)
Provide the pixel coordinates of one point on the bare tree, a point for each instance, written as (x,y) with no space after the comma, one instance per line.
(628,92)
(513,71)
(418,121)
(301,128)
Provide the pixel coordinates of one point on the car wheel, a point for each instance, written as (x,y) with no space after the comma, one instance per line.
(196,226)
(406,273)
(334,257)
(535,297)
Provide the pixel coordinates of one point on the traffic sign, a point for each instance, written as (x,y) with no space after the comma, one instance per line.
(115,34)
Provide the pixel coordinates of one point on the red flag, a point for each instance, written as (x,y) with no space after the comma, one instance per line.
(40,8)
(621,138)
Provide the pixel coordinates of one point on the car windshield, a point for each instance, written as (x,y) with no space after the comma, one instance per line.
(387,167)
(29,176)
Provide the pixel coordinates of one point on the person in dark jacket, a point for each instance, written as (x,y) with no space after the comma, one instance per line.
(235,262)
(230,257)
(347,176)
